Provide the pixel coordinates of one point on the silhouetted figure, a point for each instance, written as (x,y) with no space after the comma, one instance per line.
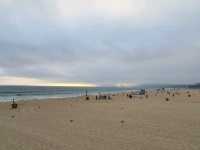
(86,95)
(14,105)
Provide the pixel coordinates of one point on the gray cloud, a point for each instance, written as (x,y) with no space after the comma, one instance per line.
(159,43)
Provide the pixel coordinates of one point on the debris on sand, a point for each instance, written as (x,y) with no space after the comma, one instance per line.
(122,121)
(130,96)
(167,99)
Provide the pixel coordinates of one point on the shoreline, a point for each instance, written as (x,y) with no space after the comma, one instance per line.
(81,97)
(46,97)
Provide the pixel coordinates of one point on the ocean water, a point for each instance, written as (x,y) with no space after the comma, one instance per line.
(7,93)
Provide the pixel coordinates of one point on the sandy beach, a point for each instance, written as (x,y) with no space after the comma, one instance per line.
(121,123)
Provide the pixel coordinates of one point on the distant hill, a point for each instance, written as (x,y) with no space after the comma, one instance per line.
(156,86)
(196,86)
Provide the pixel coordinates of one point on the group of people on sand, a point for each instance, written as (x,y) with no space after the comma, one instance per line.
(103,97)
(108,96)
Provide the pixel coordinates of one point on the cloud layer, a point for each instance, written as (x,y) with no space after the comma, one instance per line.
(103,42)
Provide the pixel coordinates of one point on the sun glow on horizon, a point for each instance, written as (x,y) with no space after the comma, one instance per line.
(8,80)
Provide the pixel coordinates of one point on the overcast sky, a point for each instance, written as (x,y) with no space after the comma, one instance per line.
(99,42)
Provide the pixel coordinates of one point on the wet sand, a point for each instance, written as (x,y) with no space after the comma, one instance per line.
(139,123)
